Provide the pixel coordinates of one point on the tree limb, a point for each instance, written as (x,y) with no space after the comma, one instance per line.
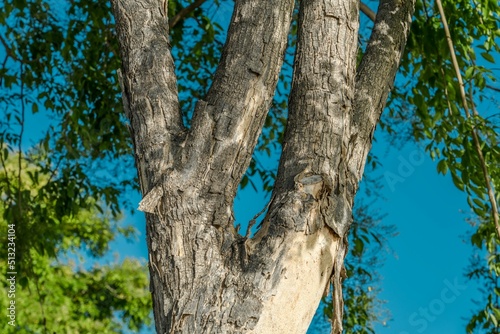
(237,103)
(189,177)
(318,127)
(184,12)
(149,86)
(375,75)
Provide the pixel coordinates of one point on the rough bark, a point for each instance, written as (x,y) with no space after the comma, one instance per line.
(205,278)
(318,129)
(376,73)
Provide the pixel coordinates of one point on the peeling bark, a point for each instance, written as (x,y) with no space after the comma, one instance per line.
(205,278)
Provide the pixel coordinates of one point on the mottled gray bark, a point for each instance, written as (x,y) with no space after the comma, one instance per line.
(317,138)
(376,73)
(204,277)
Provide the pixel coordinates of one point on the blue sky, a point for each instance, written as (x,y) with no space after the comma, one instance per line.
(430,252)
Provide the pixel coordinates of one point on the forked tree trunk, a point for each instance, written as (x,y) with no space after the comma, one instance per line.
(205,278)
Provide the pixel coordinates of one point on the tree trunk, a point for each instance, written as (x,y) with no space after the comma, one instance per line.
(205,278)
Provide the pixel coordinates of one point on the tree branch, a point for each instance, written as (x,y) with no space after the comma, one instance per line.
(149,86)
(10,53)
(226,126)
(453,57)
(375,75)
(493,88)
(318,127)
(475,137)
(367,11)
(184,12)
(8,50)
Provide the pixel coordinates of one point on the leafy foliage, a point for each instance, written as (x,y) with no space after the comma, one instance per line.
(63,299)
(52,296)
(446,119)
(63,190)
(50,212)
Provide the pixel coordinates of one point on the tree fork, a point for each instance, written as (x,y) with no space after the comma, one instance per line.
(205,277)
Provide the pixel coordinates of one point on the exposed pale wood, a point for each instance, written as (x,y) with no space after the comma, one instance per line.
(318,127)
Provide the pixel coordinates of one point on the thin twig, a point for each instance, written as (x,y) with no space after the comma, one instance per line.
(367,11)
(20,144)
(3,66)
(184,12)
(446,92)
(41,301)
(491,193)
(475,137)
(493,88)
(254,220)
(54,171)
(8,50)
(426,10)
(453,56)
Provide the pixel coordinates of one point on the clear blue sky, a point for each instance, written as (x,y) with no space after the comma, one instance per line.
(430,252)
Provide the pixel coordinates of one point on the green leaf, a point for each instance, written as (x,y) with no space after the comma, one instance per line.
(488,57)
(457,181)
(442,166)
(479,203)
